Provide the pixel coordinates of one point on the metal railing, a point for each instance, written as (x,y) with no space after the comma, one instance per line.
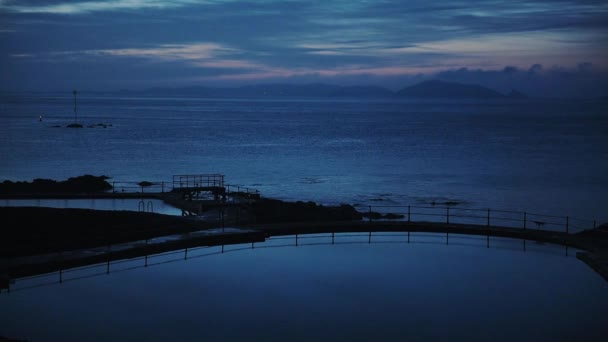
(485,217)
(198,181)
(243,191)
(137,187)
(146,208)
(287,241)
(155,187)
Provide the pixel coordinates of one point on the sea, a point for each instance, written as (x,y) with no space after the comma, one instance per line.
(536,155)
(546,156)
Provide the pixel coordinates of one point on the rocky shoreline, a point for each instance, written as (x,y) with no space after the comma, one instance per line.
(33,231)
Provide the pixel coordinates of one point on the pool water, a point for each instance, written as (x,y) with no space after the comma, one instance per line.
(356,289)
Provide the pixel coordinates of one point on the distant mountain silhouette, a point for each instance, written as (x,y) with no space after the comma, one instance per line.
(271,90)
(283,90)
(186,91)
(362,91)
(442,89)
(426,89)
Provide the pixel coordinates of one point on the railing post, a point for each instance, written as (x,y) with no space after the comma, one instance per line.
(447,217)
(488,217)
(567,224)
(408,214)
(369,217)
(525,220)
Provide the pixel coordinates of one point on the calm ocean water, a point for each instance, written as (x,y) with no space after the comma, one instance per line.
(536,155)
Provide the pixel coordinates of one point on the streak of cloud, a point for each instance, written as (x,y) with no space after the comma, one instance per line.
(76,7)
(341,41)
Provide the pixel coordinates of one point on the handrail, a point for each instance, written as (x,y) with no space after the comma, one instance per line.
(525,219)
(184,254)
(486,216)
(241,189)
(198,180)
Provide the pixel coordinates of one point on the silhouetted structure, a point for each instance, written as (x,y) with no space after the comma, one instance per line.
(75,124)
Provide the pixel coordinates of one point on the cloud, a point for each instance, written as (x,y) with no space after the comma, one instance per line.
(217,56)
(167,52)
(22,55)
(535,69)
(576,81)
(585,66)
(203,55)
(353,40)
(481,51)
(76,7)
(491,16)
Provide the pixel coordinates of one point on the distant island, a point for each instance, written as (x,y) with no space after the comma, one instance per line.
(425,89)
(453,90)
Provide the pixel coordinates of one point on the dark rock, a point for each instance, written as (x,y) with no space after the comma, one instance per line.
(270,210)
(377,216)
(372,214)
(450,203)
(80,184)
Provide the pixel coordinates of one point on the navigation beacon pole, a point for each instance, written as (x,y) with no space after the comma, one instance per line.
(75,108)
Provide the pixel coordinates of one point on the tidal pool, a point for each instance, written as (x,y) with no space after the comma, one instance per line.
(359,288)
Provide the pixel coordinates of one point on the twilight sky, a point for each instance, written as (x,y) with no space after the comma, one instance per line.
(550,47)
